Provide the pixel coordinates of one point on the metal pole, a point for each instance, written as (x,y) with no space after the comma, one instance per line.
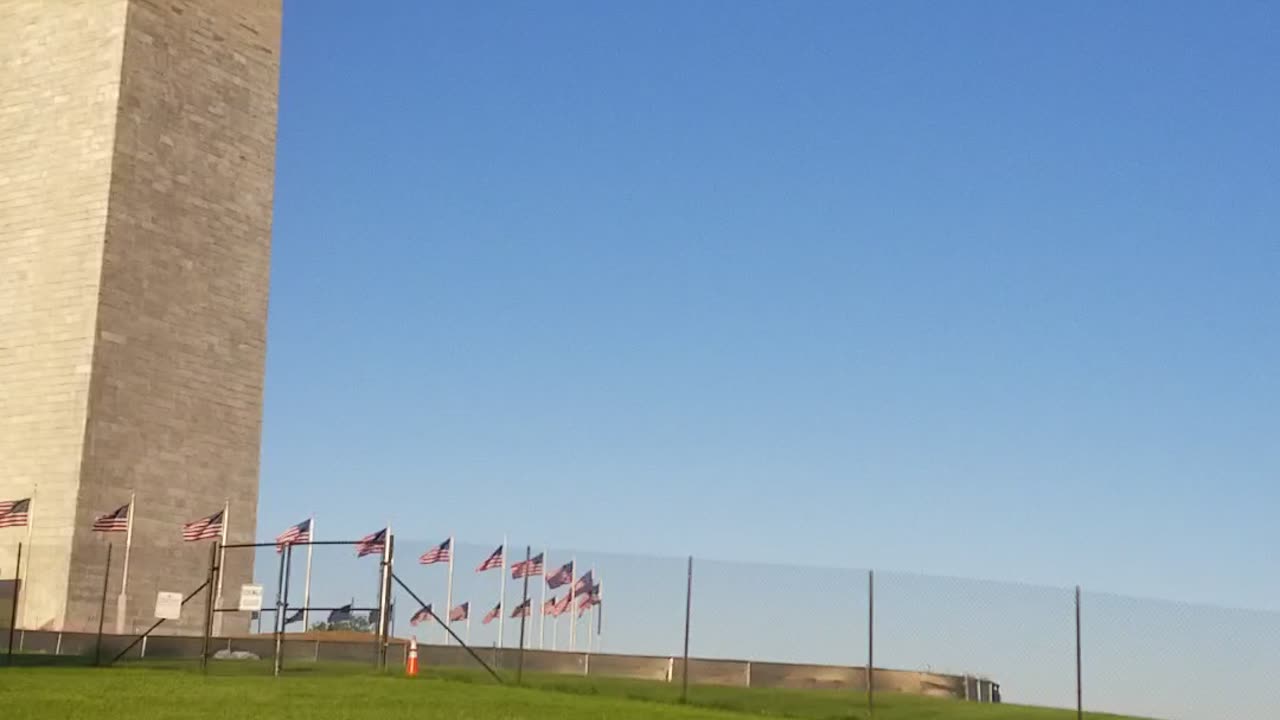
(13,607)
(448,629)
(222,561)
(688,612)
(384,593)
(502,596)
(143,637)
(1079,664)
(284,610)
(573,621)
(122,602)
(306,589)
(448,587)
(871,642)
(277,627)
(525,616)
(542,604)
(102,608)
(208,607)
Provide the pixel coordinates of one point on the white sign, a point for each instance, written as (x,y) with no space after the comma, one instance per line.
(250,598)
(168,605)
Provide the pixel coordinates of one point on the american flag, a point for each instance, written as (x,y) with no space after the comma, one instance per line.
(592,598)
(460,613)
(530,567)
(371,544)
(492,562)
(300,533)
(549,606)
(15,513)
(492,614)
(562,606)
(206,528)
(522,610)
(583,584)
(437,554)
(342,614)
(421,616)
(117,521)
(563,576)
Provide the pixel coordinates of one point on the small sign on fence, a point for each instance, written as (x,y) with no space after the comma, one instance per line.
(250,598)
(168,605)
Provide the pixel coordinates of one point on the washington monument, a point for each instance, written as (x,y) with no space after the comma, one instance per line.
(137,152)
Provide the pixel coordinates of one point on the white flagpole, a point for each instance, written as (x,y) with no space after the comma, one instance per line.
(448,592)
(306,586)
(555,631)
(31,522)
(573,618)
(599,608)
(591,621)
(542,607)
(222,566)
(122,602)
(468,625)
(502,593)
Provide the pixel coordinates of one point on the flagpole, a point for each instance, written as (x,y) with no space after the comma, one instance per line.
(306,585)
(222,566)
(599,607)
(448,592)
(468,625)
(555,631)
(573,620)
(122,602)
(502,594)
(542,607)
(31,522)
(590,598)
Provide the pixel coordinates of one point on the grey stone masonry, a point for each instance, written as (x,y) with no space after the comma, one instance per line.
(137,150)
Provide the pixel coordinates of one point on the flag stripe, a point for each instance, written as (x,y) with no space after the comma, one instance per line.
(117,521)
(531,567)
(563,576)
(15,513)
(494,561)
(372,543)
(437,554)
(460,613)
(206,528)
(300,533)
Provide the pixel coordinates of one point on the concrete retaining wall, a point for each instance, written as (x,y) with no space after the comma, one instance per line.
(702,671)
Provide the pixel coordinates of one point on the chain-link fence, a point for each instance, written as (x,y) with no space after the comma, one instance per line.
(845,636)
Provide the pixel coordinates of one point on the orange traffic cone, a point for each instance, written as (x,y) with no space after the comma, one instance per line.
(411,660)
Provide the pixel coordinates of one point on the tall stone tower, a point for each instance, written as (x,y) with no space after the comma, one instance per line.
(137,150)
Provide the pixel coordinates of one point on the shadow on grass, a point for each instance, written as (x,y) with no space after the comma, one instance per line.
(33,660)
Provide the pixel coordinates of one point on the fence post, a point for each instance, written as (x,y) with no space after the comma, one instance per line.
(283,613)
(524,616)
(688,611)
(1079,664)
(13,607)
(208,608)
(102,608)
(384,599)
(277,628)
(871,642)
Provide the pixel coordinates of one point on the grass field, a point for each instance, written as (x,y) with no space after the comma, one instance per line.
(246,690)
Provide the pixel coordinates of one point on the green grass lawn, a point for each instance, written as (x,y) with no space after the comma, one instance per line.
(246,690)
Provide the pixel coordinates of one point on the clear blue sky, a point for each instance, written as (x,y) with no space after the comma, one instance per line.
(982,289)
